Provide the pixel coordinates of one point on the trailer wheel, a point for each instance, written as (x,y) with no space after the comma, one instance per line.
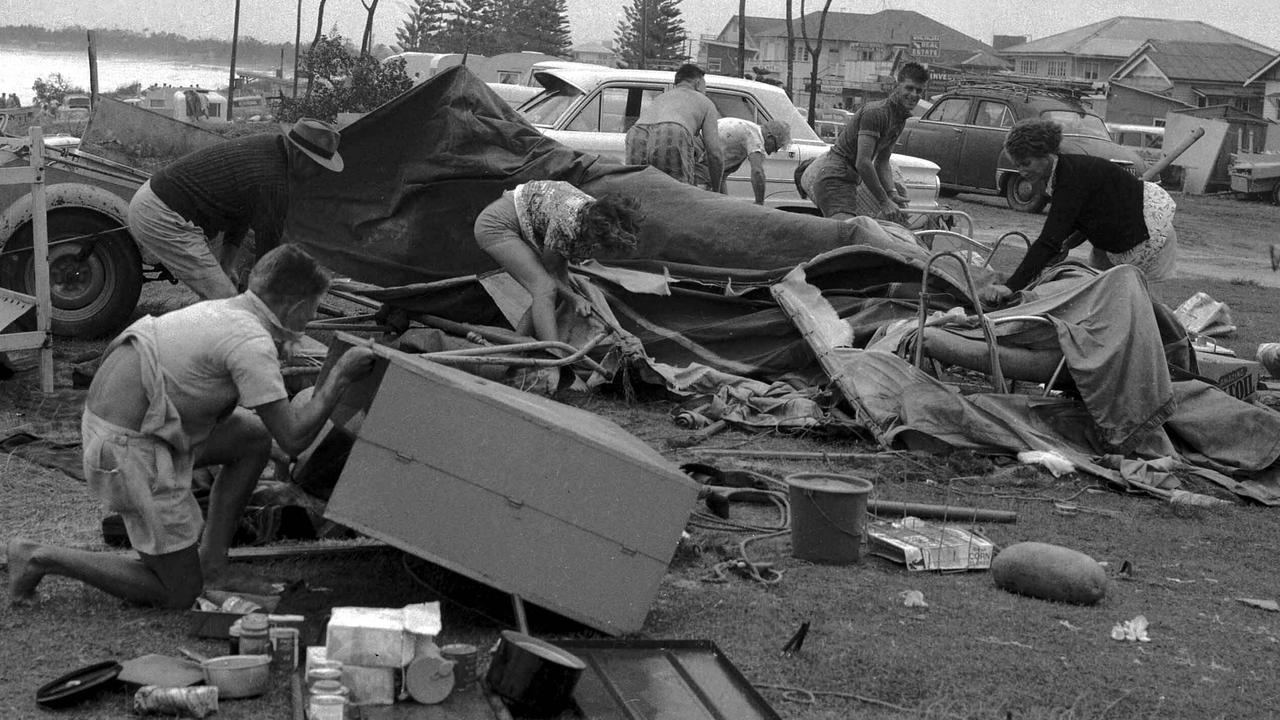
(92,295)
(1022,195)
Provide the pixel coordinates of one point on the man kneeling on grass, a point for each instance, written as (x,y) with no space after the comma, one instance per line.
(171,395)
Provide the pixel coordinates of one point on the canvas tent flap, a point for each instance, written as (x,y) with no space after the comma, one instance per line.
(420,168)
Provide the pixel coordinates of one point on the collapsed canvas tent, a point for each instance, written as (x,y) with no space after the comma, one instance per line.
(697,292)
(420,169)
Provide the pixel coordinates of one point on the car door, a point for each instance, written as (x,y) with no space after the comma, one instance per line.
(779,168)
(937,136)
(599,122)
(983,141)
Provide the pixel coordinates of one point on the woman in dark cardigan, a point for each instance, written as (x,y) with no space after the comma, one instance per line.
(1126,220)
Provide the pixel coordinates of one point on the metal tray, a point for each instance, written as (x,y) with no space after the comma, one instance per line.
(652,679)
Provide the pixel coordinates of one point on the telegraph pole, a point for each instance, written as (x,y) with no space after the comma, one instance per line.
(235,38)
(644,33)
(297,42)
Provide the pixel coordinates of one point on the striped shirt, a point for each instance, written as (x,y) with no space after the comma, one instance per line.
(231,187)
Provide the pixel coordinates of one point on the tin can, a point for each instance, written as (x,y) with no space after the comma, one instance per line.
(284,647)
(255,635)
(465,659)
(327,707)
(324,673)
(330,687)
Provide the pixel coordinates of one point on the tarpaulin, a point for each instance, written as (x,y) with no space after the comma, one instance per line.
(420,168)
(1105,327)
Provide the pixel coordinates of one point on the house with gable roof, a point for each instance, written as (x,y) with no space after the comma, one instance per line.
(1268,77)
(1094,52)
(1199,74)
(859,54)
(718,54)
(598,53)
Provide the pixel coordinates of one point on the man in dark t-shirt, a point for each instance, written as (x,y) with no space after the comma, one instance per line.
(854,177)
(224,191)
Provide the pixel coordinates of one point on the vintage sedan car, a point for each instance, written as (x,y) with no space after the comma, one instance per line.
(964,131)
(590,108)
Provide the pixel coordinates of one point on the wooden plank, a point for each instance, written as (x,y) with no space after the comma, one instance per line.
(40,339)
(40,244)
(269,552)
(24,175)
(23,340)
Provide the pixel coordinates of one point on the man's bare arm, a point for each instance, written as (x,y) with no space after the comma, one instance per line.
(711,142)
(757,175)
(294,429)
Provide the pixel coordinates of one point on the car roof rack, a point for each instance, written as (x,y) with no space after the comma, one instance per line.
(1026,86)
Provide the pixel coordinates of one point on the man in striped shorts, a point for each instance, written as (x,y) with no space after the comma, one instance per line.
(663,135)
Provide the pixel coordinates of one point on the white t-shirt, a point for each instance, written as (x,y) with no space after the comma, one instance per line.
(738,139)
(215,355)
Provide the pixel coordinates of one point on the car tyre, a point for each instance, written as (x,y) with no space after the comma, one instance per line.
(92,296)
(1022,195)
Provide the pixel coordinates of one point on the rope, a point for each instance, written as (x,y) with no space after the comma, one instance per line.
(810,697)
(761,572)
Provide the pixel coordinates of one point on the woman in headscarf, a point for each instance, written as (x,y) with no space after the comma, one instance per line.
(1126,220)
(537,229)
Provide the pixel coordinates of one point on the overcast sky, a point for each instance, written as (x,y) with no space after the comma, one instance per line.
(596,20)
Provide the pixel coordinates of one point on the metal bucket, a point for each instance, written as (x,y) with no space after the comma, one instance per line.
(828,517)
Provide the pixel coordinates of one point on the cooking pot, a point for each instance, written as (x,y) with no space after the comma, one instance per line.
(534,677)
(235,676)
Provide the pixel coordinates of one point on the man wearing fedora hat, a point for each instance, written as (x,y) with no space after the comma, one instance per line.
(221,193)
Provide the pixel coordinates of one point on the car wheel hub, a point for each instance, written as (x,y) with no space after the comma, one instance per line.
(74,283)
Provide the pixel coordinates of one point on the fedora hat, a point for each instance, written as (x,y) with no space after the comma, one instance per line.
(317,140)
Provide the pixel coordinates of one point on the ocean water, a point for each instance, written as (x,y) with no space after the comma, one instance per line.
(20,68)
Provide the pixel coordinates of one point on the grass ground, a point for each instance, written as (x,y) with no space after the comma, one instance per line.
(973,652)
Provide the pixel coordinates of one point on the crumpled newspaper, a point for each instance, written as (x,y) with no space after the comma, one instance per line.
(1052,460)
(1135,629)
(913,598)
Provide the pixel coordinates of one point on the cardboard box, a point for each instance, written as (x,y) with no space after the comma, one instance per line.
(371,685)
(1235,376)
(928,546)
(532,497)
(370,637)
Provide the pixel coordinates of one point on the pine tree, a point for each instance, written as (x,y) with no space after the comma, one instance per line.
(469,27)
(533,25)
(420,29)
(651,35)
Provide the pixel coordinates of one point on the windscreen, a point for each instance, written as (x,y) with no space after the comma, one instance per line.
(547,106)
(1074,123)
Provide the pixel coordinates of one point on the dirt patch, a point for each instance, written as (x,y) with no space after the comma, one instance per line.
(1220,237)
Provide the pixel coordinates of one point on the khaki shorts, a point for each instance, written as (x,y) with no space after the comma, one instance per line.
(179,244)
(837,189)
(143,479)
